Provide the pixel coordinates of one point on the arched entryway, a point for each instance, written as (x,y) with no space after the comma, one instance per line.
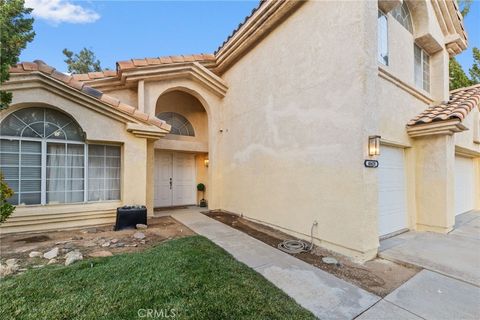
(181,157)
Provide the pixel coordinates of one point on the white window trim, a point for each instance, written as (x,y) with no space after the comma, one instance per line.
(43,163)
(423,53)
(381,59)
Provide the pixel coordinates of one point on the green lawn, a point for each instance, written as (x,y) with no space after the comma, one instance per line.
(190,275)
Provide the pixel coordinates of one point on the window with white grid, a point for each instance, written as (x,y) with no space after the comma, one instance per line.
(103,172)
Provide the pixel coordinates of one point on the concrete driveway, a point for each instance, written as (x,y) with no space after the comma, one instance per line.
(449,285)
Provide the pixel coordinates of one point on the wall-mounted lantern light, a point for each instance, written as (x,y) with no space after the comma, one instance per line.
(374,145)
(206,163)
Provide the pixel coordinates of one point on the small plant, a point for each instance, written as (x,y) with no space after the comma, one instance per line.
(6,192)
(201,187)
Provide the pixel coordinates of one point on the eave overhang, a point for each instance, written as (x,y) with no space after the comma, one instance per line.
(449,127)
(269,15)
(193,71)
(38,80)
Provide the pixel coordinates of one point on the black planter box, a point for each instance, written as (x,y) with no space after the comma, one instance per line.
(129,216)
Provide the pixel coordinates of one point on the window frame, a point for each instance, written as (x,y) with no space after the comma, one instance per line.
(403,15)
(421,80)
(384,60)
(44,164)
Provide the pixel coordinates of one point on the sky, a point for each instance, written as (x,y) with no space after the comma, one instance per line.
(120,30)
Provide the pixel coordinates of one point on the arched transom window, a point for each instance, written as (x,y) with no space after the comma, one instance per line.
(45,160)
(180,125)
(402,15)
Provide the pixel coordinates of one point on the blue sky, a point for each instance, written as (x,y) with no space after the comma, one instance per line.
(120,30)
(137,29)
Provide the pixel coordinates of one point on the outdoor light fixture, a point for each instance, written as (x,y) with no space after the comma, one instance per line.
(205,162)
(374,145)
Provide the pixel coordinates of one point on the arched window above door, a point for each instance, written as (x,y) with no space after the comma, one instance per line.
(180,125)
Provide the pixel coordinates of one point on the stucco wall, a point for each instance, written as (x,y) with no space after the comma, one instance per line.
(294,135)
(466,139)
(133,174)
(128,95)
(401,50)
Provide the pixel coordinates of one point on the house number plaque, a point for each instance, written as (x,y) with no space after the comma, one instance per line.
(371,163)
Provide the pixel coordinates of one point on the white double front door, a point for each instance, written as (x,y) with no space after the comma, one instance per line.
(174,179)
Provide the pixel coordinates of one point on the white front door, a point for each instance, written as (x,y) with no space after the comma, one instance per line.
(464,185)
(183,179)
(392,191)
(174,179)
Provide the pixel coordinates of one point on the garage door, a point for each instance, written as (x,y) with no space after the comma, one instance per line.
(464,185)
(392,191)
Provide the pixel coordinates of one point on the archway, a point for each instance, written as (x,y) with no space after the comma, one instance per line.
(181,157)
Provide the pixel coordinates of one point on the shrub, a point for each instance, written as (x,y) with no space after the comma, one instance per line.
(6,192)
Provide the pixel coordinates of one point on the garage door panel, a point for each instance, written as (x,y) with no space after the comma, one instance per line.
(392,191)
(464,185)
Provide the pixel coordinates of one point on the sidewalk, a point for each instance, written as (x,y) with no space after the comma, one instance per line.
(326,296)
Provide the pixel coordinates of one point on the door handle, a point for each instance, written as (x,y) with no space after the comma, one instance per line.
(171,183)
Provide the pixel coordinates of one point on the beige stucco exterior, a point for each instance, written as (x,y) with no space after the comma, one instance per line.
(284,119)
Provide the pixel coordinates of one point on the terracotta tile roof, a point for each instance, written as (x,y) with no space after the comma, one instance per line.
(135,63)
(94,75)
(461,103)
(38,65)
(146,62)
(260,3)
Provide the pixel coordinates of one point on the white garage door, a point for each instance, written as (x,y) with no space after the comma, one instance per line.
(464,185)
(392,191)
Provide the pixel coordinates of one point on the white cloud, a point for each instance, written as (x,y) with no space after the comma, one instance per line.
(58,11)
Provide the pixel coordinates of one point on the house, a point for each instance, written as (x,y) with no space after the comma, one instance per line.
(280,123)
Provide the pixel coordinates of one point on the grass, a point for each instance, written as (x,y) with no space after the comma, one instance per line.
(192,276)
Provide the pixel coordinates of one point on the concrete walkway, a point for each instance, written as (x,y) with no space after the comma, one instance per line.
(455,254)
(448,287)
(428,295)
(326,296)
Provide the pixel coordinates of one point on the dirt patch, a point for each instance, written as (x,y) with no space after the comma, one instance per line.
(89,241)
(33,239)
(377,276)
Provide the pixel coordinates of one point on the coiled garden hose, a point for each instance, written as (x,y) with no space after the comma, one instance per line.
(298,246)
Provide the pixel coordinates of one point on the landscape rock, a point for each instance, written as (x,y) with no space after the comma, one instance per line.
(139,235)
(52,261)
(114,240)
(10,267)
(38,266)
(11,262)
(51,254)
(69,245)
(73,256)
(89,244)
(77,238)
(141,226)
(118,245)
(35,254)
(99,254)
(106,244)
(131,245)
(142,241)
